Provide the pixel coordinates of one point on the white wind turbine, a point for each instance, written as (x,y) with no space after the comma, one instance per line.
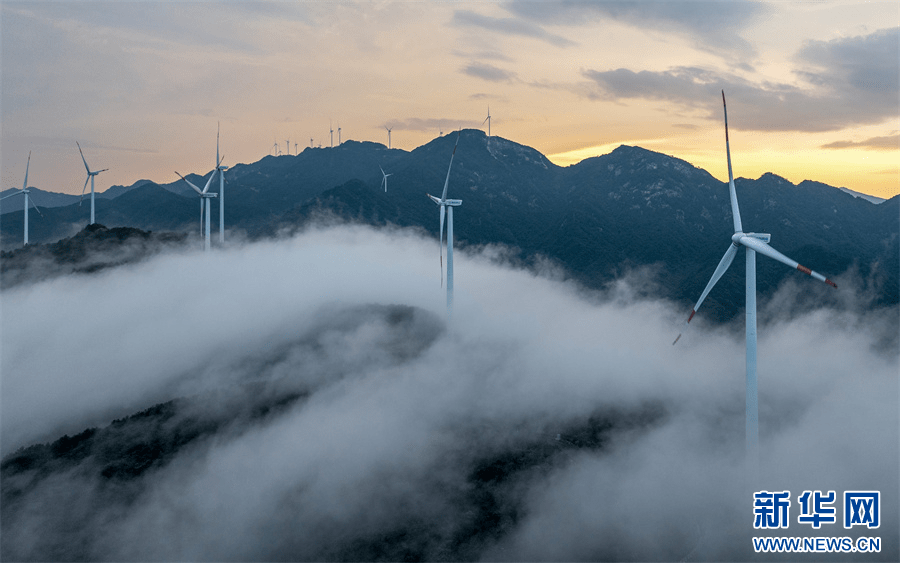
(205,196)
(339,135)
(90,176)
(24,191)
(388,129)
(221,170)
(488,121)
(448,205)
(753,243)
(331,130)
(384,179)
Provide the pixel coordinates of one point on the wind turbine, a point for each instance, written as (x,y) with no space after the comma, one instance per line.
(448,205)
(90,176)
(24,191)
(384,180)
(753,243)
(339,135)
(488,121)
(204,197)
(331,130)
(221,170)
(287,145)
(389,135)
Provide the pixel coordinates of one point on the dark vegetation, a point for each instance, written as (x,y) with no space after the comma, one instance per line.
(93,249)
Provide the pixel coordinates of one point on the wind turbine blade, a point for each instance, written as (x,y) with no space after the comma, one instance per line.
(196,189)
(31,201)
(209,182)
(10,195)
(27,166)
(218,126)
(447,181)
(86,180)
(735,212)
(724,263)
(763,248)
(82,158)
(485,120)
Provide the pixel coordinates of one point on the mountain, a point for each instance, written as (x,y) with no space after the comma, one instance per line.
(870,198)
(598,219)
(115,191)
(39,197)
(94,248)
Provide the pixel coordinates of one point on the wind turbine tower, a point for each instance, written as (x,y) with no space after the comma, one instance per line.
(448,205)
(90,176)
(221,170)
(24,191)
(753,243)
(205,196)
(488,121)
(339,135)
(388,129)
(331,131)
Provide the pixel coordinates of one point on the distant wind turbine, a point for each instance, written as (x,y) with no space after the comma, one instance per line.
(339,135)
(204,197)
(331,130)
(221,170)
(448,205)
(388,129)
(488,121)
(753,243)
(24,191)
(287,145)
(384,179)
(90,176)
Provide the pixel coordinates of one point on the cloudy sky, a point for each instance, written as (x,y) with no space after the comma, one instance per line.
(812,86)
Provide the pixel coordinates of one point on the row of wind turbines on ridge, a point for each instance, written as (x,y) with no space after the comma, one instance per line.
(753,243)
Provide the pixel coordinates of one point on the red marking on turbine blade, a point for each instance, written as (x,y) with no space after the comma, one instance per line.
(804,269)
(676,339)
(831,283)
(692,315)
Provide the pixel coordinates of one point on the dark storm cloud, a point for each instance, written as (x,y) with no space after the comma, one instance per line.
(508,26)
(488,72)
(842,93)
(711,25)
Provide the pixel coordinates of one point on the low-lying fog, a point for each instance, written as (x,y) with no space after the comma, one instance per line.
(386,440)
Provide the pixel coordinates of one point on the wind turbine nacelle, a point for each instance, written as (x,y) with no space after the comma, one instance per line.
(765,237)
(209,195)
(453,202)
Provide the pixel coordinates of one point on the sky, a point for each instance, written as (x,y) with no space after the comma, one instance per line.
(385,441)
(812,87)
